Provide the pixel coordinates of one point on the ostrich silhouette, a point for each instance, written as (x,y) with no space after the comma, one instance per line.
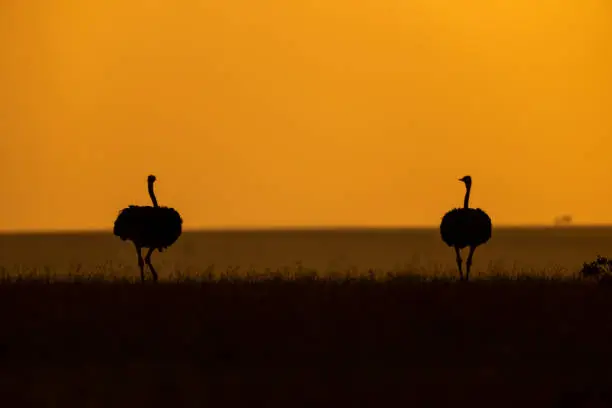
(465,227)
(148,227)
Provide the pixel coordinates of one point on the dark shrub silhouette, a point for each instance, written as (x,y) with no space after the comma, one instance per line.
(599,270)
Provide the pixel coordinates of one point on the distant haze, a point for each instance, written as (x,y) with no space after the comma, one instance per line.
(304,113)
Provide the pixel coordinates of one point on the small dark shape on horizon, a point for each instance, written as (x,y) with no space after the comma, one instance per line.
(148,227)
(563,220)
(465,227)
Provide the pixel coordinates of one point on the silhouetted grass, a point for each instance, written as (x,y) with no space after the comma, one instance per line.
(113,273)
(292,339)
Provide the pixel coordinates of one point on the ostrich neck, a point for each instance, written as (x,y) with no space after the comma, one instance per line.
(466,200)
(152,195)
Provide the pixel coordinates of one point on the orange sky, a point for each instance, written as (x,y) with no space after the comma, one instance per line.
(304,113)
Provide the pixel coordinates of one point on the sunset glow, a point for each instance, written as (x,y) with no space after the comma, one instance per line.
(305,113)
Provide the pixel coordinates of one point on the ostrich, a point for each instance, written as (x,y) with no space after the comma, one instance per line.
(148,227)
(465,227)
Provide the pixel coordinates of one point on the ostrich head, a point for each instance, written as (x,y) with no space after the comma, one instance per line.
(151,179)
(468,185)
(467,180)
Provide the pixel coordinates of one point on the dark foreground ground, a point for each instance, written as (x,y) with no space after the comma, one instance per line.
(306,344)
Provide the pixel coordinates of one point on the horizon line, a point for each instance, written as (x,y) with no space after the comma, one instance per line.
(300,228)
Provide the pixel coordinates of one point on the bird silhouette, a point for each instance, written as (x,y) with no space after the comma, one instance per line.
(465,227)
(148,227)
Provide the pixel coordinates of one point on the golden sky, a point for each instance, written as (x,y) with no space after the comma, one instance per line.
(304,113)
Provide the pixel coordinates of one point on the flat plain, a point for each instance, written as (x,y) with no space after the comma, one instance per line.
(296,337)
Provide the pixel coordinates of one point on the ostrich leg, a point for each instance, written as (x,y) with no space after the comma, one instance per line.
(140,262)
(468,263)
(459,261)
(148,261)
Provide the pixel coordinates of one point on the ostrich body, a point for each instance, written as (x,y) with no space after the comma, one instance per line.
(148,227)
(465,227)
